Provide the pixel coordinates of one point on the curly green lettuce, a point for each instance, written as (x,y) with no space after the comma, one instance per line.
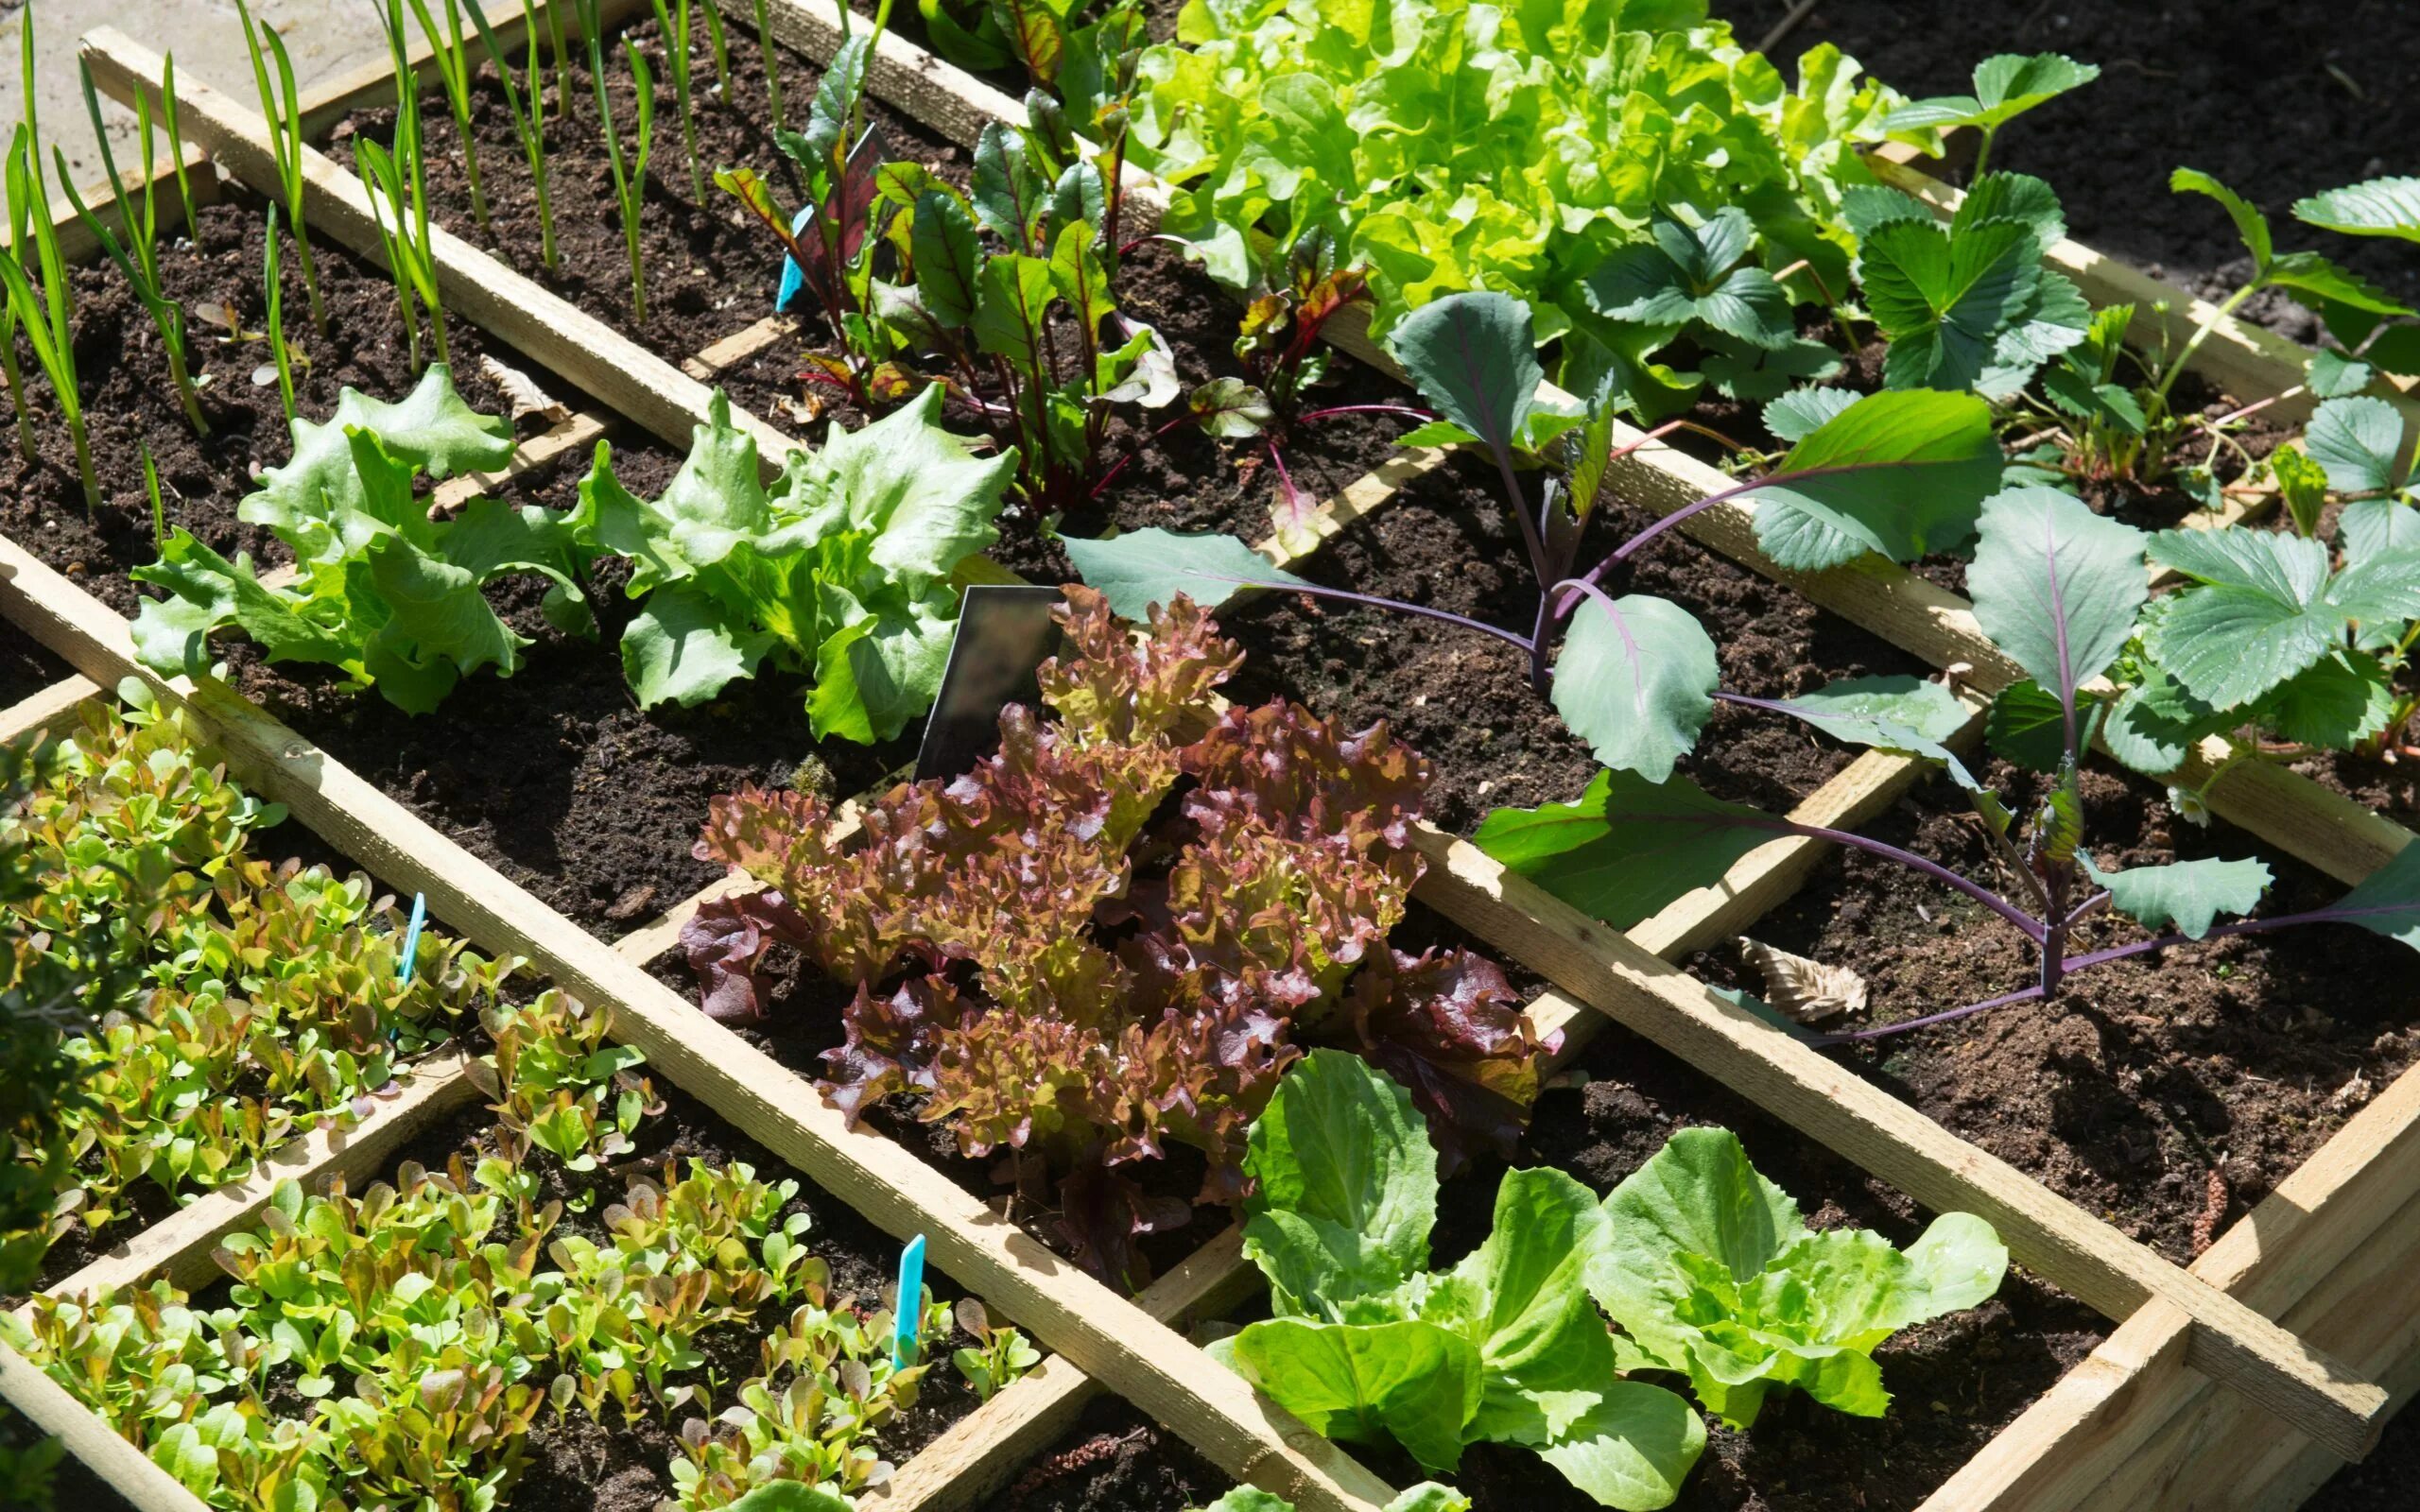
(1454,146)
(842,569)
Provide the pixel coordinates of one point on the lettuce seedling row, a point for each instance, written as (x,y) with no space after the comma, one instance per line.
(1585,935)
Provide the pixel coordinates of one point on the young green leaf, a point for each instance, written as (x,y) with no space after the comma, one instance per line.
(1627,846)
(1475,357)
(2056,586)
(1899,474)
(2381,207)
(1347,1187)
(2006,86)
(1142,568)
(2186,895)
(2359,443)
(2265,607)
(1693,274)
(1636,681)
(1710,1271)
(1407,1381)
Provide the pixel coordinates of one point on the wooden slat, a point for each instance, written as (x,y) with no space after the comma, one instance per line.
(119,1465)
(52,708)
(373,83)
(77,243)
(624,377)
(1105,1334)
(2287,1258)
(1860,1121)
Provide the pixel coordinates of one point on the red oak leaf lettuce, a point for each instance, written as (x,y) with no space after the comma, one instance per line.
(1114,935)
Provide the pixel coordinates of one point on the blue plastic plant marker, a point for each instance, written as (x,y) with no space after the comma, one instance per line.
(911,1303)
(412,935)
(794,277)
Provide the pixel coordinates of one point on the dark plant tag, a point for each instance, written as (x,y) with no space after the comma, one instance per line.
(1004,634)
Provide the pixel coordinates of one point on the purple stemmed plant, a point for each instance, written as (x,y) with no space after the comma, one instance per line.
(2058,589)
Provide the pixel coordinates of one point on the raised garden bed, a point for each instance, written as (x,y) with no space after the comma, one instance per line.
(2193,1353)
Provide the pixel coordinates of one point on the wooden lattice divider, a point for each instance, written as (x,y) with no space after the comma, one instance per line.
(1719,911)
(2318,826)
(2065,1244)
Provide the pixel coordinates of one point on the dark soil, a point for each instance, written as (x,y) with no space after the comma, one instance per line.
(129,400)
(2167,1097)
(27,666)
(1114,1460)
(579,1465)
(555,775)
(2381,1482)
(1463,700)
(2277,100)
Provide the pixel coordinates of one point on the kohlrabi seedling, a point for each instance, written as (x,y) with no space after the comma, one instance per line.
(1635,676)
(2058,589)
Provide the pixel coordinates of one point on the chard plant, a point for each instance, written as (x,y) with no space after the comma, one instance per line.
(384,593)
(1703,1265)
(282,108)
(397,176)
(629,172)
(1071,968)
(2058,589)
(138,255)
(829,245)
(1302,290)
(526,104)
(449,49)
(672,21)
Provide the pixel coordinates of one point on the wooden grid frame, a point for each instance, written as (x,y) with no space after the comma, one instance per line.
(2314,1253)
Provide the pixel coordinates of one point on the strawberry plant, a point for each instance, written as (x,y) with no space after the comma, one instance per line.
(1060,968)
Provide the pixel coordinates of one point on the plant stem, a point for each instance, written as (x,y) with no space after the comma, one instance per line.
(2032,928)
(2193,343)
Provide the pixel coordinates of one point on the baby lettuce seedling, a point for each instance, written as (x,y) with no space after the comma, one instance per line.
(1075,962)
(1635,677)
(2058,589)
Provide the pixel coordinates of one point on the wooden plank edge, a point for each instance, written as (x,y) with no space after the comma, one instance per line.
(116,1463)
(2292,1247)
(373,83)
(1875,1130)
(52,708)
